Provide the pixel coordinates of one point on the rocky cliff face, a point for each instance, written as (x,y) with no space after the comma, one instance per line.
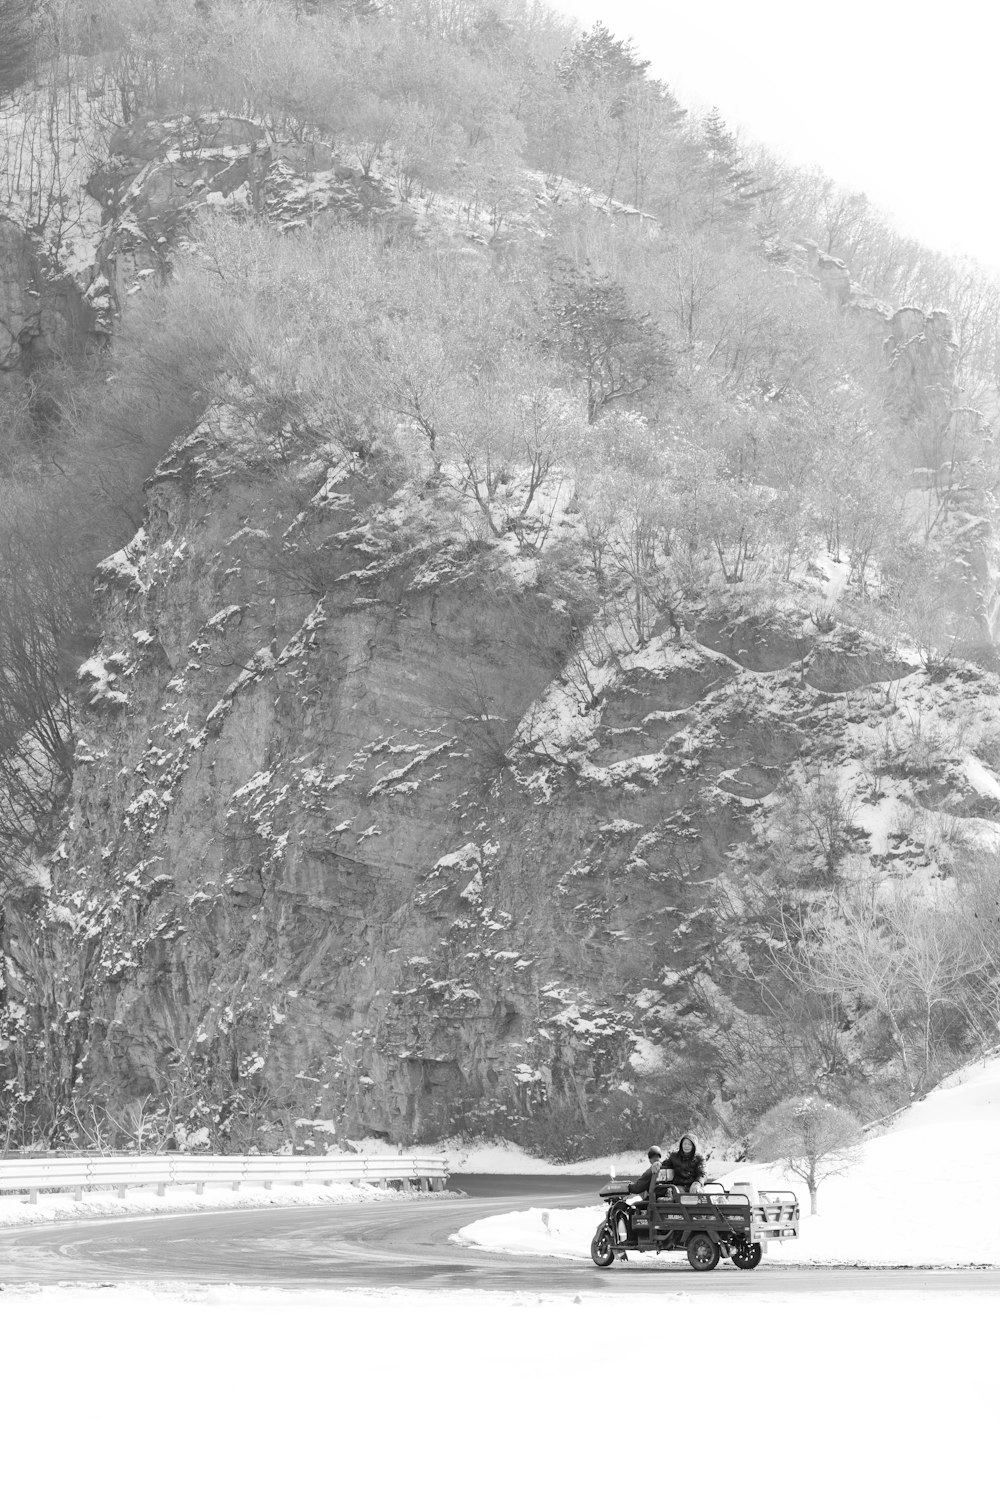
(42,311)
(371,831)
(272,761)
(362,835)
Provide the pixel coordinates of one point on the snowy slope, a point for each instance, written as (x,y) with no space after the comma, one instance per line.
(924,1193)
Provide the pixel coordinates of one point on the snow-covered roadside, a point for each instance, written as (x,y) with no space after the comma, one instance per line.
(16,1210)
(503,1158)
(492,1157)
(922,1194)
(236,1392)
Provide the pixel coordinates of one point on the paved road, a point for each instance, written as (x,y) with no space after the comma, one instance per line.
(394,1245)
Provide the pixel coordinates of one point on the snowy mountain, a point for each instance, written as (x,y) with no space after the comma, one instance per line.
(539,679)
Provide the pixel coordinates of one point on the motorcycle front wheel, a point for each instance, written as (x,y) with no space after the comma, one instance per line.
(602,1247)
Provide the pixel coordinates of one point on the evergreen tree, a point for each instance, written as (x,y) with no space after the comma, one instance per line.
(733,188)
(599,58)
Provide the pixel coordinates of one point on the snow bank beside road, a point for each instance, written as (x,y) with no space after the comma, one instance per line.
(17,1211)
(923,1194)
(563,1233)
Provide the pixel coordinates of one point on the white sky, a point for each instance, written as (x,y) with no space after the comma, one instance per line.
(896,98)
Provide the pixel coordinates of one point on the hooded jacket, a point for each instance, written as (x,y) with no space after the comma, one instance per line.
(686,1167)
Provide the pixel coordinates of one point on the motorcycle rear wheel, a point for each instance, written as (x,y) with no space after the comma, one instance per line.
(746,1257)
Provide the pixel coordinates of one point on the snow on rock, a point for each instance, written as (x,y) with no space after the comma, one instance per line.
(647,1058)
(221,618)
(983,780)
(99,674)
(469,857)
(123,567)
(835,574)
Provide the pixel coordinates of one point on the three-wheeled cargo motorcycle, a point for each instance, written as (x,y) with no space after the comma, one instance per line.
(716,1223)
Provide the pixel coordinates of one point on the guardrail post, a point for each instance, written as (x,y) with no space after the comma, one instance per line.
(78,1194)
(199,1188)
(161,1189)
(33,1195)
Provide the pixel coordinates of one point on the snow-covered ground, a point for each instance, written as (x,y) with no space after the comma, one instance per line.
(923,1193)
(238,1393)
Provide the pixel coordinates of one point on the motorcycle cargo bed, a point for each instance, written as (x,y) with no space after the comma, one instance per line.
(721,1216)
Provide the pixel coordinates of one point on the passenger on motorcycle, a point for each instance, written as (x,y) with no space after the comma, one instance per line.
(641,1184)
(685,1166)
(624,1213)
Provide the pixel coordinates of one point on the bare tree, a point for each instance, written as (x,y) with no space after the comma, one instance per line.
(815,824)
(619,354)
(812,1138)
(512,433)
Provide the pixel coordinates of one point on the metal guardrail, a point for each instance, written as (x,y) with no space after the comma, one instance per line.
(33,1174)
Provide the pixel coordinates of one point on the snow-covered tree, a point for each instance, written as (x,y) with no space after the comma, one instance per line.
(601,58)
(811,1137)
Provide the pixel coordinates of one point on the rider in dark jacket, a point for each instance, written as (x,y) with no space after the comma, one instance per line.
(685,1166)
(641,1184)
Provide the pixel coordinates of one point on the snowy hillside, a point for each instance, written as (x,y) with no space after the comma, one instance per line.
(517,618)
(924,1193)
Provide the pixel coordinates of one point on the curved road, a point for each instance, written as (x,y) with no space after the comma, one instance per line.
(403,1244)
